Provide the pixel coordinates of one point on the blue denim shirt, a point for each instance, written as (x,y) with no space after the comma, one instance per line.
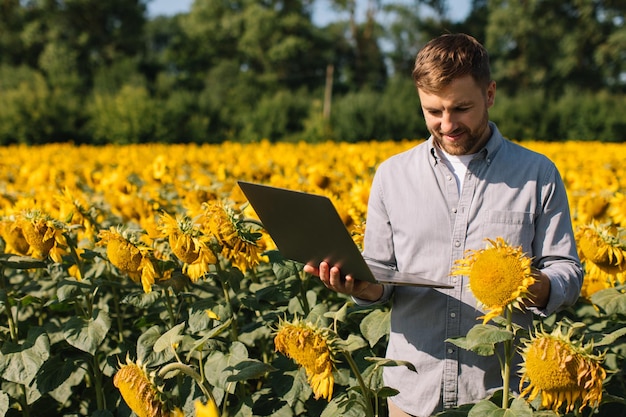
(418,222)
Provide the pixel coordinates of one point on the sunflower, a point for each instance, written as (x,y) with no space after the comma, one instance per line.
(312,348)
(43,235)
(129,255)
(139,391)
(498,276)
(239,242)
(564,371)
(71,209)
(601,244)
(14,240)
(591,206)
(602,248)
(188,244)
(206,410)
(617,209)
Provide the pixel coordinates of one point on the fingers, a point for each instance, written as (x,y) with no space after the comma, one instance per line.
(332,279)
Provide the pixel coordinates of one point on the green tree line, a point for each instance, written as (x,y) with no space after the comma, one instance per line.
(104,71)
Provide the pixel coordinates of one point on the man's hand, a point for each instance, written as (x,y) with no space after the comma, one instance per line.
(540,290)
(331,278)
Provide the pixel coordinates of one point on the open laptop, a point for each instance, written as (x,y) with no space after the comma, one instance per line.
(307,228)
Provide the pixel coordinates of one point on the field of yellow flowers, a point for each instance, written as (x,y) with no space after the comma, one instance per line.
(136,279)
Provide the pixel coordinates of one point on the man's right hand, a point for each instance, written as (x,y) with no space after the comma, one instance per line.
(331,278)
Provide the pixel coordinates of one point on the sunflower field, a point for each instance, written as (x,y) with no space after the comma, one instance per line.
(136,280)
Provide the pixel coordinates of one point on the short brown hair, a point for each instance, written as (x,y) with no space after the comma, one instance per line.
(449,57)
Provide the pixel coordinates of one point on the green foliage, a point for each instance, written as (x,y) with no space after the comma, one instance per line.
(129,116)
(244,70)
(62,340)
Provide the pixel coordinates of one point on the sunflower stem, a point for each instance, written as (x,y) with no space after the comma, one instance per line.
(366,390)
(8,309)
(508,345)
(188,370)
(168,304)
(304,302)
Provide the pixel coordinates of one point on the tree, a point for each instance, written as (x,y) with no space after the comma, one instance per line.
(553,44)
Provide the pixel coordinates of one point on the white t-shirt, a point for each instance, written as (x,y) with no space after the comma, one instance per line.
(458,165)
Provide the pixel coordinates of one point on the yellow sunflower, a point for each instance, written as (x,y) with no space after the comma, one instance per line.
(602,248)
(312,348)
(617,209)
(240,240)
(206,410)
(139,391)
(498,276)
(129,255)
(564,371)
(188,244)
(14,240)
(601,244)
(43,234)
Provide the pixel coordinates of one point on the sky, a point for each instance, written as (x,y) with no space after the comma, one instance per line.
(322,15)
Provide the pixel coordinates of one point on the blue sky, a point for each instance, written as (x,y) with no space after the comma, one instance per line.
(323,14)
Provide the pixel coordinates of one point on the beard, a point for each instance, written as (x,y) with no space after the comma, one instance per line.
(472,141)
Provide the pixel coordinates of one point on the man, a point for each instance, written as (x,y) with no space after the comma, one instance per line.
(447,195)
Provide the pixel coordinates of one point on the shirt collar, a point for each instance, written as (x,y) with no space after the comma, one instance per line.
(487,152)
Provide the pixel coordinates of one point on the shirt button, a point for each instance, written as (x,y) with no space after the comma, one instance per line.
(453,315)
(450,351)
(454,210)
(457,243)
(449,178)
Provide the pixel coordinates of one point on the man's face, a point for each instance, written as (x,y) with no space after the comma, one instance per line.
(457,116)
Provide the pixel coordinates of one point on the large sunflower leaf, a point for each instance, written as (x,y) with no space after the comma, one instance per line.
(170,338)
(611,300)
(375,326)
(485,408)
(20,363)
(249,369)
(87,335)
(482,339)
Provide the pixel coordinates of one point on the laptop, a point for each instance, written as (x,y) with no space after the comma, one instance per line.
(308,229)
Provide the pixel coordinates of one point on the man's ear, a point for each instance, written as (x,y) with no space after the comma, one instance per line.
(491,93)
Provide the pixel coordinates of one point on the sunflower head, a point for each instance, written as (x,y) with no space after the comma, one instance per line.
(604,245)
(13,237)
(40,232)
(206,410)
(139,391)
(563,371)
(239,239)
(182,236)
(498,276)
(617,208)
(123,249)
(313,349)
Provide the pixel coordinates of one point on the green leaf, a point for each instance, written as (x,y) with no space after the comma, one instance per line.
(87,335)
(611,300)
(610,338)
(352,343)
(20,262)
(249,369)
(482,339)
(170,338)
(218,363)
(390,362)
(341,314)
(485,408)
(4,403)
(21,363)
(145,351)
(375,326)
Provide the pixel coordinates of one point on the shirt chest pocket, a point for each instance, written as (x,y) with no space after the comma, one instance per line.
(515,227)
